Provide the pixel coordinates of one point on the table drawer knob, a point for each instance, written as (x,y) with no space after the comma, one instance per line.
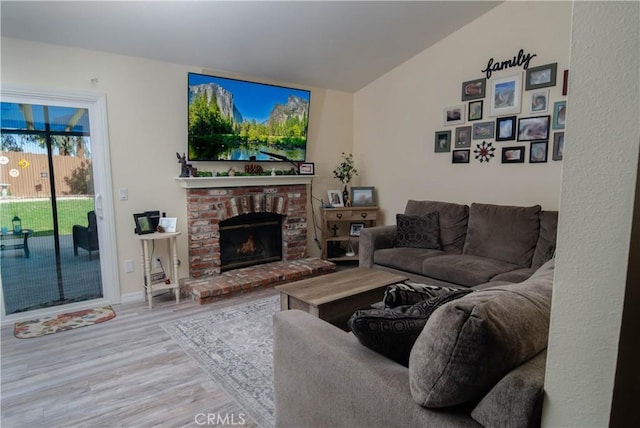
(363,215)
(339,215)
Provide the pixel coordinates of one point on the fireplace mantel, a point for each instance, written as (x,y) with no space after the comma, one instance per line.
(242,181)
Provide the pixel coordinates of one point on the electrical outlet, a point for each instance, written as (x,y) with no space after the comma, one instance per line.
(156,262)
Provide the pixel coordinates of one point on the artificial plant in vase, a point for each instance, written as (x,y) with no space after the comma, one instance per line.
(345,172)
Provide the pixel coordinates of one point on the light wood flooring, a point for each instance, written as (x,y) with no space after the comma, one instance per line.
(126,372)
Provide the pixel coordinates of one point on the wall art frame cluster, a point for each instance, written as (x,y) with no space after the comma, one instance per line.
(507,97)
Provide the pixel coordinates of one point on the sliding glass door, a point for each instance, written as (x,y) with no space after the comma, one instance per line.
(50,250)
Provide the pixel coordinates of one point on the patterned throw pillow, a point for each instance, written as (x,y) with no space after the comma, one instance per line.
(418,231)
(393,331)
(410,293)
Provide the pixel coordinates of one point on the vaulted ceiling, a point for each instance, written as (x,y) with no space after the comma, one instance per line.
(329,44)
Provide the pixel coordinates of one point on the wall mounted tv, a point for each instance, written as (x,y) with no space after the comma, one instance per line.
(237,120)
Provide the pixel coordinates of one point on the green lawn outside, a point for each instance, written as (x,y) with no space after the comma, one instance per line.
(37,214)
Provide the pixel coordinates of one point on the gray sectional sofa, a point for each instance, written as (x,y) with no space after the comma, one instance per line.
(477,244)
(479,361)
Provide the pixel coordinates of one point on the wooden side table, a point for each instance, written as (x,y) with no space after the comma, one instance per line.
(341,226)
(171,279)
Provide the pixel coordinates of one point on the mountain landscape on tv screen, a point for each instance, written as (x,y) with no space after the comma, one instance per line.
(220,130)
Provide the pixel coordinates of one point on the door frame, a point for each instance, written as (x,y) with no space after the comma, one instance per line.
(96,104)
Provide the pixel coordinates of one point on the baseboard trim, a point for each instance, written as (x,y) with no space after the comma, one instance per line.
(136,296)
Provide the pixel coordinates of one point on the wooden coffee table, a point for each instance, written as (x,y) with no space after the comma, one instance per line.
(336,296)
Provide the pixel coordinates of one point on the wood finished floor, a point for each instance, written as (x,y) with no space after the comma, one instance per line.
(126,372)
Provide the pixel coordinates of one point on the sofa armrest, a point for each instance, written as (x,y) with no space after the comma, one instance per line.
(372,239)
(323,377)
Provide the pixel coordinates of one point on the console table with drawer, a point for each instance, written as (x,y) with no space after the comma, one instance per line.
(341,229)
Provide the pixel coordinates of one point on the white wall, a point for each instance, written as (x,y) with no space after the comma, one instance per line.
(147,106)
(397,115)
(596,212)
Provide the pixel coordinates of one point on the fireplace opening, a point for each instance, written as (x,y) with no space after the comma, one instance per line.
(250,239)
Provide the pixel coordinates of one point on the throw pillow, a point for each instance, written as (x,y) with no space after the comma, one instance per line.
(410,293)
(393,331)
(418,231)
(470,344)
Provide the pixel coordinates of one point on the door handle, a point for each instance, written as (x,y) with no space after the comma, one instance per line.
(98,208)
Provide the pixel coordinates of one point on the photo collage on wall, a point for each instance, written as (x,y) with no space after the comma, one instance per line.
(515,119)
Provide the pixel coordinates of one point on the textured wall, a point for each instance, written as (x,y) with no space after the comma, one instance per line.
(596,209)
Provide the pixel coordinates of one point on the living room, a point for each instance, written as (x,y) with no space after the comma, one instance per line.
(389,125)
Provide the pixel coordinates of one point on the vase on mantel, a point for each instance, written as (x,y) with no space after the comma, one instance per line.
(345,196)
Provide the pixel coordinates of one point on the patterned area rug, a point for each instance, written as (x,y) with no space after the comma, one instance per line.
(234,346)
(54,324)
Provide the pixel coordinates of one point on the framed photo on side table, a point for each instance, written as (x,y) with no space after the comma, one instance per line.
(355,228)
(335,198)
(143,224)
(168,224)
(363,197)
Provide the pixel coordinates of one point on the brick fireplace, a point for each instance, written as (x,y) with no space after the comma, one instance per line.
(213,200)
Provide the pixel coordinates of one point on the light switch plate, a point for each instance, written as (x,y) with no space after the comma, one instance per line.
(123,194)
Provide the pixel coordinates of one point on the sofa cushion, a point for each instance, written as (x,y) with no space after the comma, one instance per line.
(465,270)
(406,259)
(506,233)
(469,344)
(453,221)
(515,401)
(517,275)
(546,245)
(410,293)
(393,331)
(418,231)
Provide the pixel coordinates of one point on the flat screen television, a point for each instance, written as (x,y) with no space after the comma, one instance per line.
(237,120)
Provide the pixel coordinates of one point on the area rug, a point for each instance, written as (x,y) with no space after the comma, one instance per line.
(56,323)
(234,346)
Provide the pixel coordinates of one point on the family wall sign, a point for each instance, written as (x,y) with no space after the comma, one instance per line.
(521,59)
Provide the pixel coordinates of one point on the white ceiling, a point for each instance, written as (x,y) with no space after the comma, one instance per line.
(329,44)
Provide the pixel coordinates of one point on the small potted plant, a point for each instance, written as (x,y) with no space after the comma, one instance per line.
(344,172)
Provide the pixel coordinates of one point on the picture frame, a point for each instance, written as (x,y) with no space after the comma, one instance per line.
(454,115)
(306,168)
(533,128)
(565,82)
(168,224)
(143,224)
(541,77)
(442,141)
(559,114)
(355,228)
(558,146)
(506,93)
(513,154)
(474,89)
(363,196)
(463,137)
(475,110)
(539,101)
(538,151)
(483,130)
(335,198)
(460,156)
(506,128)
